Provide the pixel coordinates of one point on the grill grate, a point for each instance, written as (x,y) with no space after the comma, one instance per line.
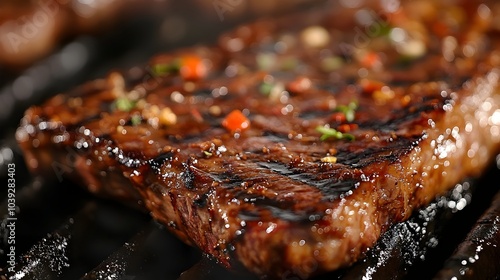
(62,232)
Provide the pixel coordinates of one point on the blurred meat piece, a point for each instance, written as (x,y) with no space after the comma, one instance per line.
(232,10)
(31,29)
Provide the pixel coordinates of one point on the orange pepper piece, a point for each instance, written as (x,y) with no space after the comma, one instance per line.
(235,121)
(370,60)
(192,68)
(370,86)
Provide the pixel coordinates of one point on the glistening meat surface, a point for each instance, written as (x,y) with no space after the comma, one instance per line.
(291,144)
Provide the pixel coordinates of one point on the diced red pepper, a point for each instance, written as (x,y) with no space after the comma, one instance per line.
(299,85)
(192,68)
(235,121)
(370,86)
(347,127)
(197,115)
(441,28)
(338,117)
(370,60)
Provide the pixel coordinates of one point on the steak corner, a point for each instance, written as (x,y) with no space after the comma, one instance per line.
(278,149)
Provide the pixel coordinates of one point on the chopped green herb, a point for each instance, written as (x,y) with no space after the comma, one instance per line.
(207,153)
(265,88)
(289,63)
(331,63)
(348,110)
(327,132)
(136,119)
(265,61)
(123,104)
(382,28)
(166,68)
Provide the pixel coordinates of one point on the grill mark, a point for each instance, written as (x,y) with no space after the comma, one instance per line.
(281,209)
(316,114)
(227,179)
(191,138)
(83,122)
(334,88)
(207,133)
(261,200)
(204,92)
(291,216)
(331,188)
(391,153)
(282,214)
(249,215)
(157,162)
(212,120)
(404,115)
(259,205)
(275,136)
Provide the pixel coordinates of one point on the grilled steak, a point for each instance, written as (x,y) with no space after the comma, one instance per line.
(291,144)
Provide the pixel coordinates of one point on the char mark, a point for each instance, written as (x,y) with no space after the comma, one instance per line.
(405,115)
(261,200)
(275,136)
(193,137)
(188,176)
(178,139)
(127,159)
(277,213)
(203,93)
(293,216)
(83,122)
(331,188)
(157,162)
(228,179)
(281,209)
(315,114)
(201,200)
(391,153)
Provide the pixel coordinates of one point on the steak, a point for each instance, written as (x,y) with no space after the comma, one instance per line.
(291,144)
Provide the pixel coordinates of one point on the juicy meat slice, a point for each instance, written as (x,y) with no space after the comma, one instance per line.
(221,143)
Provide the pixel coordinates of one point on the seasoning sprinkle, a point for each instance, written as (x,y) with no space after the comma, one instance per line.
(265,61)
(265,88)
(123,104)
(331,63)
(329,159)
(327,132)
(348,110)
(136,120)
(207,153)
(167,68)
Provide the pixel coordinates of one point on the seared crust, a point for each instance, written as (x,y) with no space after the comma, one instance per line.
(273,195)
